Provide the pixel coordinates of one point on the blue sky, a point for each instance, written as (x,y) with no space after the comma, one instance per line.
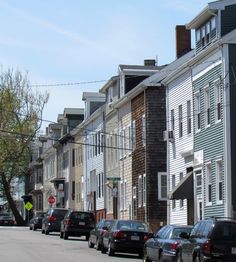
(76,41)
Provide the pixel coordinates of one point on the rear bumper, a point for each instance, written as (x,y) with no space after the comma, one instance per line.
(127,247)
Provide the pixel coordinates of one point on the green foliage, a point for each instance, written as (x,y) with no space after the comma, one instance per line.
(20,119)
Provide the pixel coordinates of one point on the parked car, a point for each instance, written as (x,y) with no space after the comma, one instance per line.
(52,220)
(164,245)
(126,236)
(77,223)
(95,236)
(36,221)
(6,219)
(212,239)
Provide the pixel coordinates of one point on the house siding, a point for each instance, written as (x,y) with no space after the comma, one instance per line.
(228,22)
(180,91)
(232,62)
(209,139)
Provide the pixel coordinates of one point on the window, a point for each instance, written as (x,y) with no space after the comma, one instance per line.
(110,94)
(134,196)
(217,100)
(189,126)
(198,178)
(133,135)
(73,190)
(173,204)
(219,181)
(213,23)
(180,121)
(172,119)
(207,106)
(197,112)
(73,157)
(129,140)
(208,183)
(144,189)
(140,191)
(162,186)
(173,182)
(144,130)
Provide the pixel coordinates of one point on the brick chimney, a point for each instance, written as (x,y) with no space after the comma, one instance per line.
(183,40)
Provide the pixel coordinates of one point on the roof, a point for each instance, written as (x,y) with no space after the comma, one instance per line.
(73,111)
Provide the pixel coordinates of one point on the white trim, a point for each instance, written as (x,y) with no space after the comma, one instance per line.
(203,72)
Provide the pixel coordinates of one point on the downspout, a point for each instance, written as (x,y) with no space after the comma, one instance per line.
(168,156)
(145,148)
(104,166)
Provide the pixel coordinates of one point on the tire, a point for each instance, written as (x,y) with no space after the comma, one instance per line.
(110,251)
(145,258)
(30,228)
(197,258)
(98,245)
(87,237)
(46,231)
(140,254)
(65,235)
(42,231)
(178,257)
(90,244)
(161,257)
(103,250)
(34,228)
(61,234)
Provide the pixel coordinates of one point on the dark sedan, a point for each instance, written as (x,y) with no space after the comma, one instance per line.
(95,236)
(164,245)
(6,220)
(125,236)
(36,221)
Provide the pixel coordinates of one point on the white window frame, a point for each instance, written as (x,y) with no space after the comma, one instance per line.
(139,191)
(133,135)
(162,187)
(129,140)
(207,107)
(144,189)
(197,112)
(208,171)
(144,129)
(180,121)
(219,181)
(189,117)
(218,105)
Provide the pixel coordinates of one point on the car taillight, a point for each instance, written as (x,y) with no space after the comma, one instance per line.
(69,222)
(206,247)
(119,235)
(174,246)
(146,237)
(52,218)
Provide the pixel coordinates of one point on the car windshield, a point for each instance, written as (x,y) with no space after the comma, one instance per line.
(224,231)
(132,225)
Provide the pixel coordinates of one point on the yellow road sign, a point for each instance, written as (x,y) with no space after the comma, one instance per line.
(28,206)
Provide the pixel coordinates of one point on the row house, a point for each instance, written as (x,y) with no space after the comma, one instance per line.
(200,117)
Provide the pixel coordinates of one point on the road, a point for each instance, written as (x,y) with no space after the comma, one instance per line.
(23,245)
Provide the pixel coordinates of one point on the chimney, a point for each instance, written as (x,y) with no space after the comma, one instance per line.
(149,62)
(183,40)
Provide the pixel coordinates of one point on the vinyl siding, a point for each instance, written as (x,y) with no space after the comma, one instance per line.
(180,91)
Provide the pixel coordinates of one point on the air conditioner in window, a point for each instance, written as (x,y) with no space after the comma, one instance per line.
(168,135)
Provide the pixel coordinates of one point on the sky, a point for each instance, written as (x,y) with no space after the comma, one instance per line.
(75,46)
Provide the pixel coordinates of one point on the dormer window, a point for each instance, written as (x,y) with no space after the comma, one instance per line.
(110,94)
(205,34)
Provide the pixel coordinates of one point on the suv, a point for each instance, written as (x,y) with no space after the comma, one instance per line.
(52,220)
(77,223)
(212,239)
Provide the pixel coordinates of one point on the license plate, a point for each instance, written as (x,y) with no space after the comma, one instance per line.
(81,223)
(135,238)
(233,250)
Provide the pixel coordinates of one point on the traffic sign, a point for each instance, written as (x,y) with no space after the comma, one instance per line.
(28,206)
(51,200)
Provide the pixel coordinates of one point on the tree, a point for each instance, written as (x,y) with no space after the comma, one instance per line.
(20,120)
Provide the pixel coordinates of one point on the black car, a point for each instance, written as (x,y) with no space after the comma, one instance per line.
(77,223)
(95,236)
(52,220)
(36,221)
(164,245)
(125,236)
(6,220)
(212,239)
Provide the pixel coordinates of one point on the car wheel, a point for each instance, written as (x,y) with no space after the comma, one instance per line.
(140,254)
(145,258)
(34,228)
(30,228)
(178,257)
(161,257)
(110,251)
(98,245)
(197,258)
(103,250)
(61,234)
(42,231)
(90,244)
(65,236)
(87,237)
(46,232)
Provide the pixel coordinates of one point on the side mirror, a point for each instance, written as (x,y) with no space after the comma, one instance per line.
(184,235)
